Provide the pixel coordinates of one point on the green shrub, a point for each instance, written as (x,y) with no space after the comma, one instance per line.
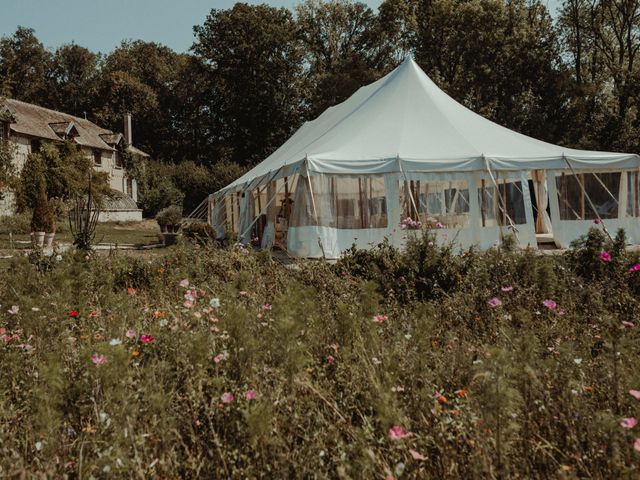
(169,218)
(17,223)
(42,219)
(199,231)
(330,357)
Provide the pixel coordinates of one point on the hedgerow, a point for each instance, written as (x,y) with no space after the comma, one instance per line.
(423,363)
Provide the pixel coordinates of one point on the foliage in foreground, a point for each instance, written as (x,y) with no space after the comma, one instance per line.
(221,363)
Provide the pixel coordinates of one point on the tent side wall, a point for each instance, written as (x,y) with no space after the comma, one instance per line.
(608,197)
(334,212)
(321,215)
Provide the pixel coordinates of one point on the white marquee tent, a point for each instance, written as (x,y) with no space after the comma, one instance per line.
(400,148)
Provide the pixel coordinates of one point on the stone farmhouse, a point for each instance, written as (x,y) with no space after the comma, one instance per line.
(27,127)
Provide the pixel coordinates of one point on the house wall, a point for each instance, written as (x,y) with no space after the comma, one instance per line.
(22,148)
(117,175)
(120,216)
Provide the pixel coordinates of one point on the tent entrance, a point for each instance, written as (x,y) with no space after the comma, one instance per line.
(540,206)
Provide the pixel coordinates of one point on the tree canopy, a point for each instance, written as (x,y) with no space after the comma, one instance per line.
(255,73)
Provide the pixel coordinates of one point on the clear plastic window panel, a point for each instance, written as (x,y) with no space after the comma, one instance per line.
(341,201)
(439,204)
(503,205)
(602,188)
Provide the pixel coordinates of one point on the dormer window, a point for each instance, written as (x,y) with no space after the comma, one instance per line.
(64,130)
(119,162)
(6,119)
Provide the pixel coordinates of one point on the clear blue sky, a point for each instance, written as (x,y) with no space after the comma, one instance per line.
(101,25)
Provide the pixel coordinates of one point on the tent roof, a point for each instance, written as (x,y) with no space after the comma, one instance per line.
(404,116)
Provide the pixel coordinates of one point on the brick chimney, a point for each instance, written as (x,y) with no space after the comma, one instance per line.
(127,129)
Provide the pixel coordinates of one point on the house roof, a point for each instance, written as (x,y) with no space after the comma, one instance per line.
(136,151)
(40,122)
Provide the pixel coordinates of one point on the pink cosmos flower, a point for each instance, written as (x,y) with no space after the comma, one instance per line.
(550,304)
(636,445)
(416,455)
(605,256)
(380,318)
(635,394)
(98,359)
(439,225)
(506,289)
(184,283)
(634,268)
(330,359)
(131,334)
(494,302)
(625,324)
(266,306)
(628,422)
(596,221)
(218,358)
(250,394)
(146,338)
(227,397)
(188,304)
(397,433)
(13,310)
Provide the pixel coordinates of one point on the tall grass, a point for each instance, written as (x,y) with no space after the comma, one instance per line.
(291,375)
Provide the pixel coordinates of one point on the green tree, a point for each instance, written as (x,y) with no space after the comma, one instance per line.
(64,169)
(146,76)
(501,59)
(602,41)
(24,67)
(254,65)
(345,48)
(74,73)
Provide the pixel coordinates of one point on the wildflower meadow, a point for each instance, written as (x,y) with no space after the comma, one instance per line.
(211,362)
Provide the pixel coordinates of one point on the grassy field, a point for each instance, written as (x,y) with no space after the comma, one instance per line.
(14,234)
(221,363)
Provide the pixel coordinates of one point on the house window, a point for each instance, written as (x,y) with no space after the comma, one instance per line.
(97,157)
(129,187)
(35,145)
(4,131)
(118,160)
